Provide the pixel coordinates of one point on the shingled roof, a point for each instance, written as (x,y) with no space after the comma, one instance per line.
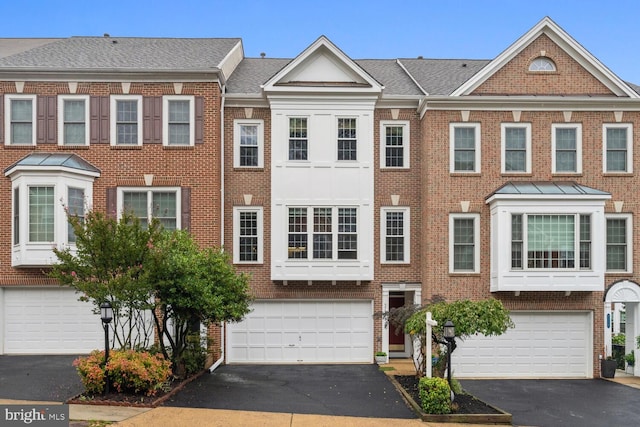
(124,54)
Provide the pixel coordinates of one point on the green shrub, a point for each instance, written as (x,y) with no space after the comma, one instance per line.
(194,355)
(435,395)
(129,371)
(91,371)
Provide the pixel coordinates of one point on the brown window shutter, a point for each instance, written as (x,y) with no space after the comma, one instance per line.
(199,120)
(1,119)
(46,120)
(152,120)
(112,202)
(186,209)
(99,119)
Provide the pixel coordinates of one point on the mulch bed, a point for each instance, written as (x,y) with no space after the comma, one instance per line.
(127,399)
(462,404)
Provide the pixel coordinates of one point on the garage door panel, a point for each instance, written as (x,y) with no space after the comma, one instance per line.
(49,321)
(310,331)
(536,347)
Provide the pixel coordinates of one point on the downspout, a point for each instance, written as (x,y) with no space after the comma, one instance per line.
(222,326)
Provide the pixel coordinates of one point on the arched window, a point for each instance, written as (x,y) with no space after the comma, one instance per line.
(542,63)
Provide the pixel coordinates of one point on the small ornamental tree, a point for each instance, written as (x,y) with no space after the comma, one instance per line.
(106,265)
(487,317)
(192,286)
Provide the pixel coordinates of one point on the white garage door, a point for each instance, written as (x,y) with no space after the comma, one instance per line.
(303,332)
(543,344)
(49,321)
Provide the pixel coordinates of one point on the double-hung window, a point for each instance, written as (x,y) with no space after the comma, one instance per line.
(394,150)
(178,121)
(247,239)
(617,148)
(347,139)
(298,139)
(75,207)
(248,142)
(551,241)
(619,242)
(73,120)
(566,148)
(464,241)
(464,147)
(159,202)
(20,119)
(41,214)
(126,120)
(395,235)
(332,231)
(516,147)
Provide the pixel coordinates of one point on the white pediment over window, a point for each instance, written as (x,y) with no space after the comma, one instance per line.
(325,68)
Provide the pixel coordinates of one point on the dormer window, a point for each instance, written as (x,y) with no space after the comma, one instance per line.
(542,63)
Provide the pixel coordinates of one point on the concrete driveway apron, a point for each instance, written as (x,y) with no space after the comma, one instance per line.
(346,390)
(566,403)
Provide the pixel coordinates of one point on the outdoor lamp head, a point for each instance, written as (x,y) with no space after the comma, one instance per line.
(106,312)
(449,330)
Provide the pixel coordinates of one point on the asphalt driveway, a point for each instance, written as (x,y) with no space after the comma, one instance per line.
(346,390)
(43,378)
(565,403)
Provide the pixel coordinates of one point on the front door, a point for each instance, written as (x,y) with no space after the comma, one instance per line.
(396,337)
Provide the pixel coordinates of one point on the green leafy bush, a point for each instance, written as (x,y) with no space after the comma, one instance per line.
(435,395)
(129,371)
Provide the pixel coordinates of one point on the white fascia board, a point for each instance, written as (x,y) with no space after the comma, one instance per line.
(529,103)
(564,40)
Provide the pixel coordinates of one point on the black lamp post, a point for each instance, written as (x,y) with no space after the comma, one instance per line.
(450,336)
(106,314)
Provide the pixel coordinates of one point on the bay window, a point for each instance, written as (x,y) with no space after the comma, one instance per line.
(333,233)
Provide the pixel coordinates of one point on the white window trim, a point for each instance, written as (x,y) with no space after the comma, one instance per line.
(165,119)
(629,127)
(406,140)
(236,233)
(476,239)
(236,142)
(503,133)
(8,97)
(113,110)
(629,229)
(478,157)
(406,230)
(87,120)
(149,191)
(578,128)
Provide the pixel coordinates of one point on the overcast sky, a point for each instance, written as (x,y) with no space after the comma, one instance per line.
(363,29)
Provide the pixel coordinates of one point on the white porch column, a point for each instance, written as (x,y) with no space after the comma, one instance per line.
(427,363)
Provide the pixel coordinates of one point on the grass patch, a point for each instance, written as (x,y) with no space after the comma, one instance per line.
(386,368)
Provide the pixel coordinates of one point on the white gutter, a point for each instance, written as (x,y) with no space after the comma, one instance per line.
(222,343)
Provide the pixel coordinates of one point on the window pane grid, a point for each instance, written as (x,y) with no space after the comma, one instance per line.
(21,121)
(464,149)
(347,237)
(551,241)
(297,233)
(347,141)
(41,214)
(248,236)
(127,122)
(298,138)
(179,123)
(616,149)
(585,241)
(394,146)
(516,242)
(74,122)
(394,240)
(164,208)
(75,208)
(616,244)
(322,237)
(248,145)
(515,149)
(566,150)
(463,244)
